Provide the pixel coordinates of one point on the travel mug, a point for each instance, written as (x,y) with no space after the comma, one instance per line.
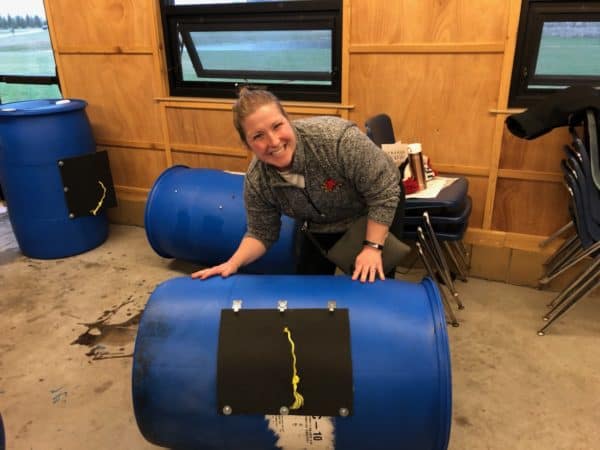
(417,167)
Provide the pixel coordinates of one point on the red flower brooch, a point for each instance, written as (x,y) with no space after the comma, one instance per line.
(330,185)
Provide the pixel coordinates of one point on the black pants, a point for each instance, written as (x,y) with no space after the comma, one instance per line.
(310,259)
(312,262)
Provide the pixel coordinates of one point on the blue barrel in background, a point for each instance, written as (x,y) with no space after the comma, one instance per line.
(198,215)
(399,349)
(34,136)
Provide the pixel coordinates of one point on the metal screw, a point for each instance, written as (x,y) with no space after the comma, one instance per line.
(60,164)
(227,410)
(284,411)
(71,216)
(66,189)
(344,412)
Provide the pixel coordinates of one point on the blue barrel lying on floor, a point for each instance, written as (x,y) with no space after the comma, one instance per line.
(399,352)
(34,136)
(198,215)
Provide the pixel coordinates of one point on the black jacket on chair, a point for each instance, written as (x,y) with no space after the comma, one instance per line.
(554,111)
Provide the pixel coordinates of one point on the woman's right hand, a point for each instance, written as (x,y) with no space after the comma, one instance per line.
(225,269)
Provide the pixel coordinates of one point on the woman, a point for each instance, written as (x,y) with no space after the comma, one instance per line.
(322,170)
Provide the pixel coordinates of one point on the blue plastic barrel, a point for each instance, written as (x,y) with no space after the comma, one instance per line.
(198,215)
(34,136)
(399,350)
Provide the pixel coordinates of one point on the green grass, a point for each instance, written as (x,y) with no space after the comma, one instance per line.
(26,54)
(573,56)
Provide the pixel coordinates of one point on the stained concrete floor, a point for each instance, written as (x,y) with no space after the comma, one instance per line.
(68,326)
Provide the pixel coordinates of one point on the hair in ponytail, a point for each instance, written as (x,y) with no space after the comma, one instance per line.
(249,100)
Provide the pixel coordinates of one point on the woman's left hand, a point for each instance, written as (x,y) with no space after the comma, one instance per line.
(368,265)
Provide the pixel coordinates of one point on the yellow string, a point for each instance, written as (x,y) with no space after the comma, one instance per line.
(298,399)
(95,210)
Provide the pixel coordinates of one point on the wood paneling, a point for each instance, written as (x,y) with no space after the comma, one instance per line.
(201,126)
(118,89)
(135,167)
(211,161)
(94,25)
(437,67)
(477,191)
(542,154)
(438,100)
(426,21)
(530,207)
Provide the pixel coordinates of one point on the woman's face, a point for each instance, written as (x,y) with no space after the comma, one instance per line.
(270,136)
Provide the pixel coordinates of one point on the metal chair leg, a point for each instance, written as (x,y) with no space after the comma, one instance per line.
(556,234)
(560,255)
(583,292)
(437,249)
(455,262)
(428,250)
(564,268)
(461,252)
(568,289)
(447,308)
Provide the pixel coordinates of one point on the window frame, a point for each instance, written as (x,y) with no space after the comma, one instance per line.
(260,16)
(534,13)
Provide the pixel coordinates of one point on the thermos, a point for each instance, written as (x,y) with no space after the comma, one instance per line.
(417,166)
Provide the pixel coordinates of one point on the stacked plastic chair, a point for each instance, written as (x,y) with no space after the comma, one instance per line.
(437,225)
(581,172)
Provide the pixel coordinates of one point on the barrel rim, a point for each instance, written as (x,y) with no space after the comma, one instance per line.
(149,202)
(55,106)
(444,361)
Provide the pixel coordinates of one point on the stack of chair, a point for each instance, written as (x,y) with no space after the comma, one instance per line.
(437,225)
(581,172)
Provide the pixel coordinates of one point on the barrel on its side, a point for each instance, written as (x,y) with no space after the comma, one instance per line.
(34,136)
(198,215)
(399,350)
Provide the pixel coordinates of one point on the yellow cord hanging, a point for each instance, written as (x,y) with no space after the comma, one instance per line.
(95,210)
(298,399)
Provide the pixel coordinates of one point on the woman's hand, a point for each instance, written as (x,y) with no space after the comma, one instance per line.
(368,265)
(225,269)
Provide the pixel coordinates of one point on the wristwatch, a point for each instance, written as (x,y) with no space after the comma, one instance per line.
(373,244)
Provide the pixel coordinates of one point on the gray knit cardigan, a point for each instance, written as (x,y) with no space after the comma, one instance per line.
(346,176)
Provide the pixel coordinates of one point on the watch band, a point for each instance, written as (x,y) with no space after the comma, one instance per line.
(373,244)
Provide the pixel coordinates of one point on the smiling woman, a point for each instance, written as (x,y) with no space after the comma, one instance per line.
(27,67)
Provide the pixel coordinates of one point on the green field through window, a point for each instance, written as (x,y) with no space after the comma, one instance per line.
(26,51)
(569,48)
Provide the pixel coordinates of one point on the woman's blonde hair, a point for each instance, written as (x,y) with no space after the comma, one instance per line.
(249,100)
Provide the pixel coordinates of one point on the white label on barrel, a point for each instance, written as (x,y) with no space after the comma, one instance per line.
(303,432)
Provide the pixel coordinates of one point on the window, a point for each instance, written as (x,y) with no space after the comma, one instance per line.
(292,48)
(27,69)
(558,45)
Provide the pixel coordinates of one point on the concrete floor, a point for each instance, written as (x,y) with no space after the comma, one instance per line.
(512,389)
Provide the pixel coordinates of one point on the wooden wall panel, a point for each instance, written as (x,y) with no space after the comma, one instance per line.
(530,207)
(211,161)
(441,101)
(404,21)
(209,127)
(135,167)
(94,24)
(541,154)
(118,89)
(201,126)
(477,192)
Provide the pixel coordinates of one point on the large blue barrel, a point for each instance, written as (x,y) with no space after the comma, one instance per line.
(34,136)
(198,215)
(399,351)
